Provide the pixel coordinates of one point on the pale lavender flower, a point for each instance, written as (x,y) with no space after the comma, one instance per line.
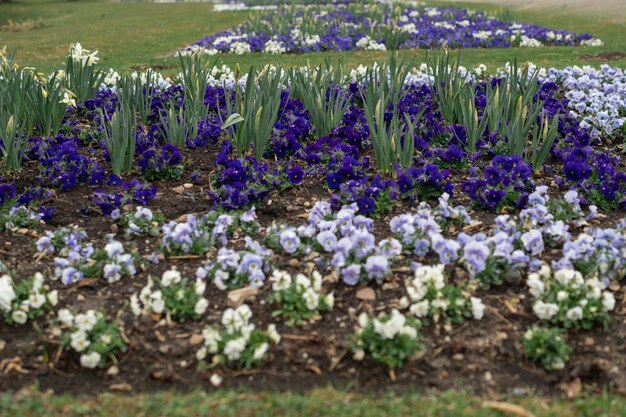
(533,242)
(144,213)
(289,241)
(475,254)
(320,210)
(377,267)
(256,247)
(389,248)
(362,243)
(327,240)
(71,275)
(421,248)
(112,272)
(250,263)
(228,257)
(248,216)
(351,274)
(113,249)
(344,245)
(449,252)
(45,243)
(338,260)
(362,222)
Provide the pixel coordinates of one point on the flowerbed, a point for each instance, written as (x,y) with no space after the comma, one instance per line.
(379,27)
(161,233)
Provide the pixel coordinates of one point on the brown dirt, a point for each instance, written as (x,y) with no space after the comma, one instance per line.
(480,356)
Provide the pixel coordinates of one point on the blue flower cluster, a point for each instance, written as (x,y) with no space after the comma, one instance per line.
(342,28)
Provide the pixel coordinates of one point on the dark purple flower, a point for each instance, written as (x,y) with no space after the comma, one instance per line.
(366,205)
(404,184)
(7,192)
(295,175)
(576,171)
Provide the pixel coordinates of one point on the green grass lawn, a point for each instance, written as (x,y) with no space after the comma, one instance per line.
(130,35)
(317,403)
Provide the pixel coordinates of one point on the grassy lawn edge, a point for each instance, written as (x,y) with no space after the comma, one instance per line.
(317,402)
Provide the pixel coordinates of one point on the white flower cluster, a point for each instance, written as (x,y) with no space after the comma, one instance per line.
(526,42)
(240,48)
(274,47)
(390,326)
(90,335)
(84,56)
(197,49)
(482,34)
(158,80)
(229,7)
(408,28)
(309,289)
(430,295)
(7,293)
(592,42)
(507,71)
(568,298)
(419,75)
(234,343)
(27,301)
(304,39)
(154,300)
(449,26)
(370,44)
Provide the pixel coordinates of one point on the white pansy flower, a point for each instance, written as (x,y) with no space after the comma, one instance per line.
(260,351)
(302,282)
(535,284)
(608,301)
(90,360)
(135,307)
(170,277)
(86,321)
(330,300)
(200,287)
(53,297)
(78,341)
(19,316)
(66,317)
(545,311)
(234,348)
(273,334)
(478,308)
(420,309)
(311,298)
(36,300)
(157,305)
(201,306)
(574,313)
(409,331)
(281,280)
(317,280)
(7,293)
